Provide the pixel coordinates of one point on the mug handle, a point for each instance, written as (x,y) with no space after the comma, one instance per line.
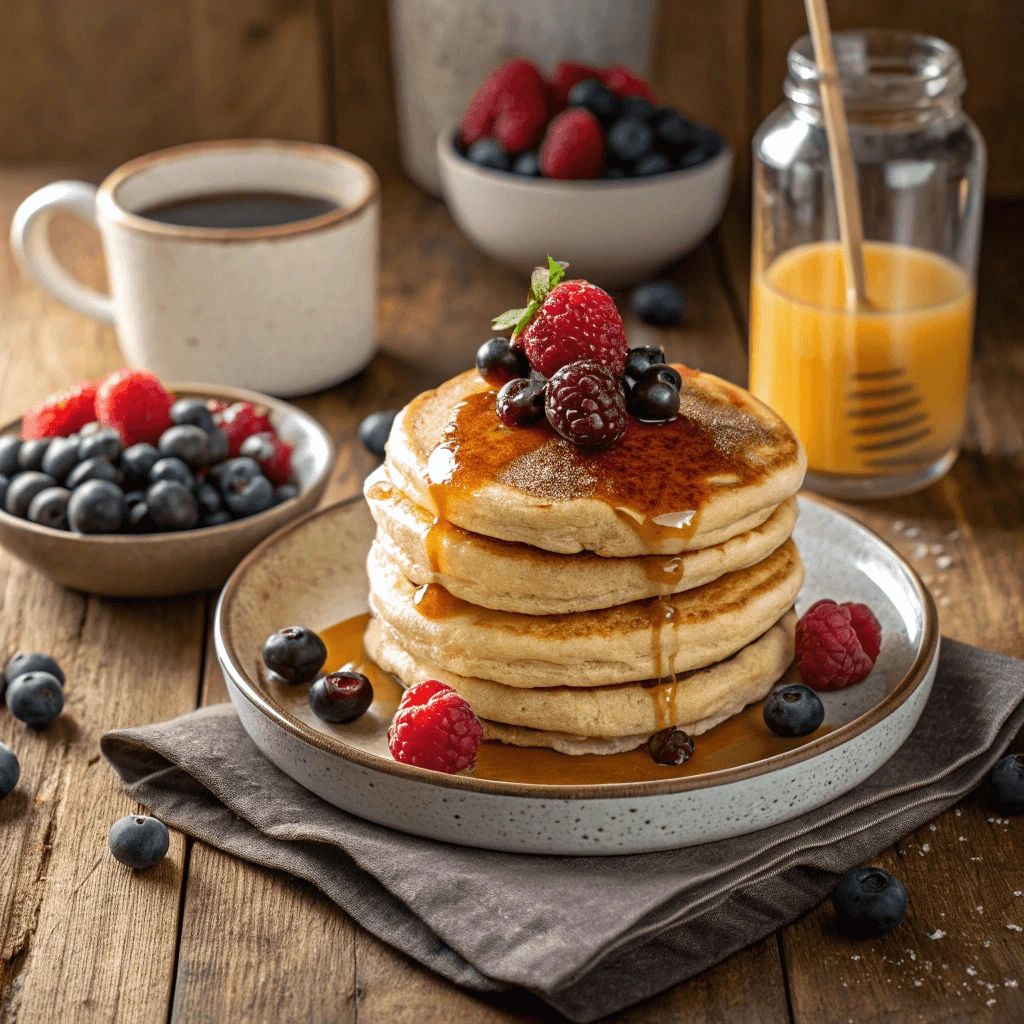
(30,242)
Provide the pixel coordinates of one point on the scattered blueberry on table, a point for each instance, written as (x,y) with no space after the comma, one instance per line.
(295,653)
(869,902)
(341,696)
(35,698)
(374,430)
(793,710)
(10,770)
(32,661)
(139,841)
(1007,781)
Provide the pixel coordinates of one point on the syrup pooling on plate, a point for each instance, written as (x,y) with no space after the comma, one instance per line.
(740,740)
(658,478)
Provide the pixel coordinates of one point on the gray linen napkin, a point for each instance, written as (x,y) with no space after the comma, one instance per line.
(589,935)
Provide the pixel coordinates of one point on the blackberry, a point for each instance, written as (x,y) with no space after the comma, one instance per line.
(585,404)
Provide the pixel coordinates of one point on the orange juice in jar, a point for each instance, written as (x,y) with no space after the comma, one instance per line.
(876,393)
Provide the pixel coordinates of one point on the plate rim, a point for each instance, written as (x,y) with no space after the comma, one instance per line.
(915,676)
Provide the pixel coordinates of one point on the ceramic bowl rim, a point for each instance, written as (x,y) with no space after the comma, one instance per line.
(449,156)
(186,389)
(915,676)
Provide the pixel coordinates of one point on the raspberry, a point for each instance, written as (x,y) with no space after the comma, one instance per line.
(869,632)
(435,728)
(623,82)
(242,420)
(585,404)
(135,404)
(511,106)
(574,146)
(577,320)
(829,653)
(61,414)
(278,467)
(566,74)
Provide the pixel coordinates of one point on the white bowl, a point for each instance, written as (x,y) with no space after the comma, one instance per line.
(614,233)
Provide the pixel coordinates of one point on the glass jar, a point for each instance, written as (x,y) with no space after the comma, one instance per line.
(876,393)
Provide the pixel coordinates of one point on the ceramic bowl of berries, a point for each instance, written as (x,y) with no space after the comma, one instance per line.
(128,487)
(586,162)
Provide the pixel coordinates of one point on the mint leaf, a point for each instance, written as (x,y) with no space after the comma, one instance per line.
(510,318)
(556,271)
(539,283)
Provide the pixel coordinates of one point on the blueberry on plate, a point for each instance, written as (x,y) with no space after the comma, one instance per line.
(488,153)
(35,698)
(793,710)
(10,770)
(187,442)
(50,508)
(93,469)
(193,411)
(171,468)
(629,139)
(32,453)
(295,653)
(596,97)
(374,430)
(137,463)
(527,164)
(23,488)
(61,457)
(9,448)
(869,902)
(659,303)
(1008,784)
(652,163)
(97,507)
(498,361)
(671,746)
(340,697)
(172,506)
(104,444)
(32,661)
(139,841)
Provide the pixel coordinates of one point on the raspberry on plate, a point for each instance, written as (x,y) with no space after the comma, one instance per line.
(568,73)
(869,632)
(574,146)
(135,404)
(435,728)
(61,414)
(242,420)
(624,82)
(585,404)
(829,652)
(511,106)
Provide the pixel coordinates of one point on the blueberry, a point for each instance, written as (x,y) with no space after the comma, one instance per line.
(869,902)
(92,469)
(192,411)
(527,164)
(216,518)
(50,508)
(693,157)
(636,108)
(521,401)
(61,457)
(659,303)
(374,430)
(670,746)
(209,499)
(187,442)
(97,507)
(89,429)
(498,361)
(639,360)
(706,140)
(340,697)
(30,456)
(488,153)
(234,474)
(672,132)
(35,698)
(258,447)
(9,770)
(4,484)
(171,468)
(137,462)
(32,661)
(172,506)
(9,448)
(629,139)
(23,488)
(139,519)
(295,653)
(614,173)
(596,97)
(219,446)
(139,841)
(652,163)
(286,492)
(104,444)
(793,710)
(133,498)
(254,497)
(1008,784)
(653,400)
(665,373)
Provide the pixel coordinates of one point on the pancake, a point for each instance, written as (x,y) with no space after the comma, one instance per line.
(515,577)
(716,471)
(640,640)
(696,700)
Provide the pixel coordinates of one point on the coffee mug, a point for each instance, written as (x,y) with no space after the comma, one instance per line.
(285,308)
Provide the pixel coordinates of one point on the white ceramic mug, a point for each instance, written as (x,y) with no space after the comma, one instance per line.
(285,309)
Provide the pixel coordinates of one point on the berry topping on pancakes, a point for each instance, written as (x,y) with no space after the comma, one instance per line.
(585,404)
(435,728)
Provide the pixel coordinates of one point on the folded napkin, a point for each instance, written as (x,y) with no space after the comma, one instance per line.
(589,935)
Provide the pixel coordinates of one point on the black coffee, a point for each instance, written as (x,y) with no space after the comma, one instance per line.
(239,210)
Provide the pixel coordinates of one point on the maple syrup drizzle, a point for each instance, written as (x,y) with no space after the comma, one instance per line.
(380,490)
(667,571)
(662,693)
(433,601)
(434,542)
(739,740)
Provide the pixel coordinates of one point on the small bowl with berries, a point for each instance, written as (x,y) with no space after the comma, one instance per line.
(587,162)
(128,487)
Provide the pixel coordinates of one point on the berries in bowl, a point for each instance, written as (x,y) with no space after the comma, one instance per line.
(126,487)
(586,162)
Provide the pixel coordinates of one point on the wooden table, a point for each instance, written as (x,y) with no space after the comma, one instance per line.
(206,938)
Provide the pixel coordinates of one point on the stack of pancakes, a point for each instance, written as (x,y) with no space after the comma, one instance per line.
(581,599)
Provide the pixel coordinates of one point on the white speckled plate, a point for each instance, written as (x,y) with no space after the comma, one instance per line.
(312,572)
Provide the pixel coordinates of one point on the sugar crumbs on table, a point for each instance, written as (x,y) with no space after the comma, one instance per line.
(912,532)
(943,562)
(1014,928)
(921,551)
